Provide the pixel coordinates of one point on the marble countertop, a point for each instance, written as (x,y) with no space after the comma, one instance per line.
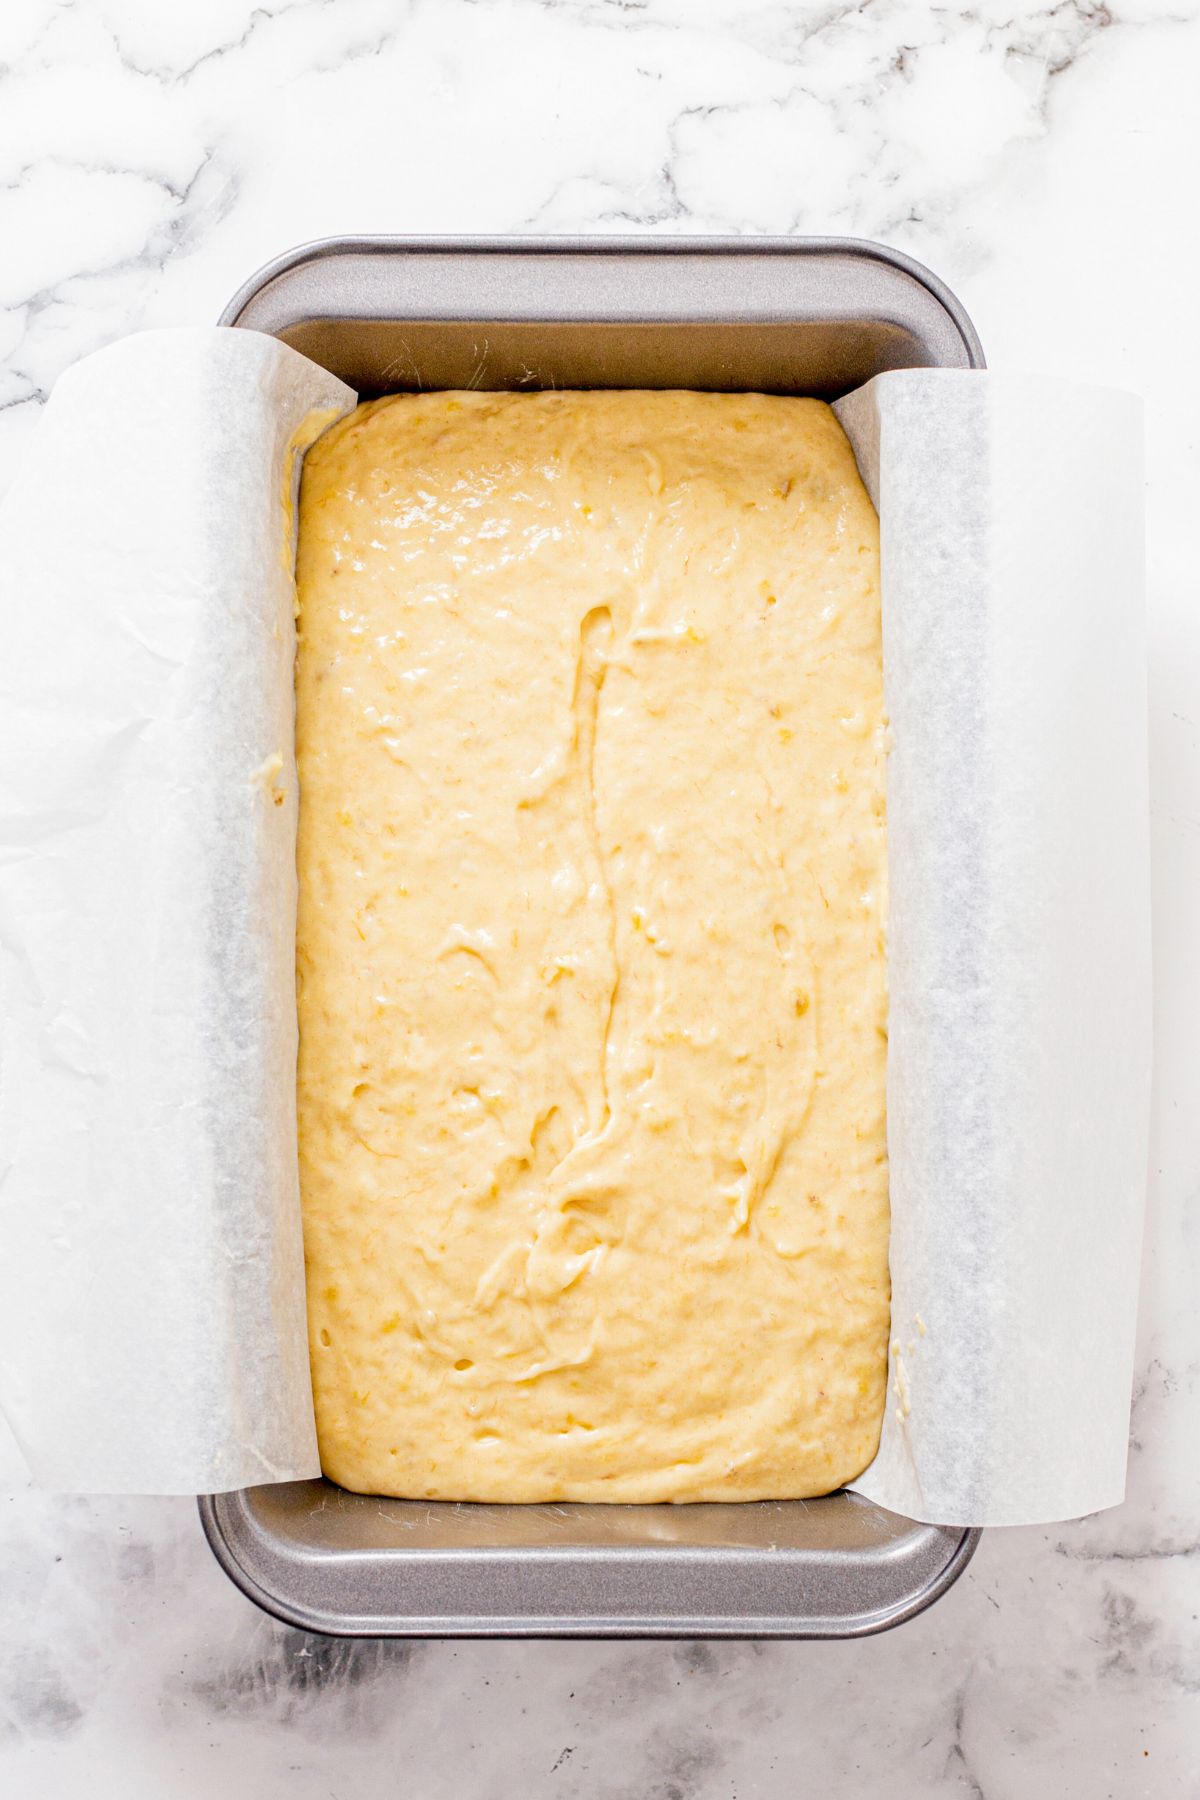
(1040,158)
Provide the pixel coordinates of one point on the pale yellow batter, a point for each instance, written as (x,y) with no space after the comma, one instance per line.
(591,953)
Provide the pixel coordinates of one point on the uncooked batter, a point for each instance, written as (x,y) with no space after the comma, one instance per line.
(591,948)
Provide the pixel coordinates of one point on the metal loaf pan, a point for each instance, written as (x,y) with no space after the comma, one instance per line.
(793,316)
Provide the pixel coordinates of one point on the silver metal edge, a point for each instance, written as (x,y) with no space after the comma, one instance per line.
(697,1626)
(321,248)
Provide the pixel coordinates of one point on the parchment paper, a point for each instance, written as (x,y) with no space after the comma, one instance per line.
(151,1299)
(1018,936)
(152,1334)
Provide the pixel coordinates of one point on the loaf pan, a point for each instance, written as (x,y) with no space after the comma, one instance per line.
(792,316)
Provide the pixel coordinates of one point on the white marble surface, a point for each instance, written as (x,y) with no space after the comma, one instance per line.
(1041,158)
